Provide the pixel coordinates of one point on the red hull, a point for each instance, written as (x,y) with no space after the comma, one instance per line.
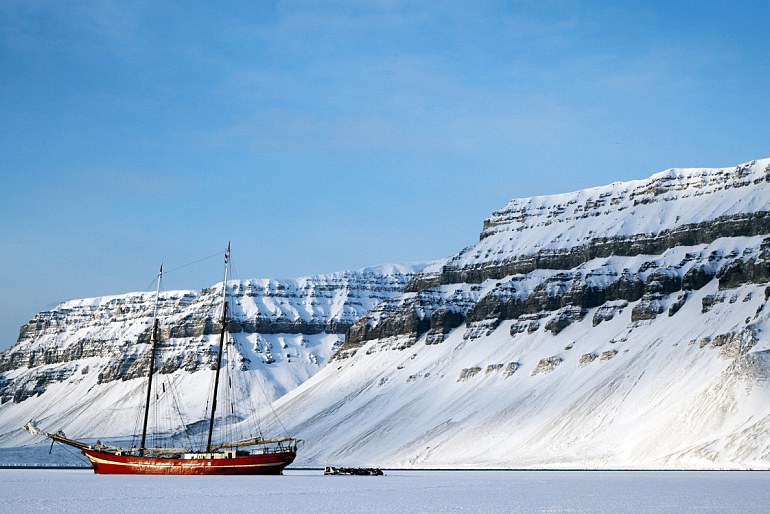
(261,464)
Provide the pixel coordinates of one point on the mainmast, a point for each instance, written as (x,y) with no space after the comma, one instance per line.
(221,346)
(153,345)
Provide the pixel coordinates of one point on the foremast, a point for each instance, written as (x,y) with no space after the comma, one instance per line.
(153,346)
(221,347)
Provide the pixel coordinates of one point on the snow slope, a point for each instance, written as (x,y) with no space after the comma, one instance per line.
(627,358)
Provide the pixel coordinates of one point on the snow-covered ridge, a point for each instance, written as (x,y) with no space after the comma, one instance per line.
(308,305)
(284,332)
(335,298)
(527,246)
(332,299)
(663,201)
(620,212)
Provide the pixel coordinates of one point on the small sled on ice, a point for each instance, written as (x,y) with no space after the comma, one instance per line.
(331,470)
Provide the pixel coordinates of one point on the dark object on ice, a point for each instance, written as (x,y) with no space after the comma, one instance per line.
(331,470)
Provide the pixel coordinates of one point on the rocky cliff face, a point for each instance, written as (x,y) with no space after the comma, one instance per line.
(284,331)
(624,325)
(561,252)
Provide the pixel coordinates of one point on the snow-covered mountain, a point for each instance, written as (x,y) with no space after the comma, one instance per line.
(80,366)
(618,326)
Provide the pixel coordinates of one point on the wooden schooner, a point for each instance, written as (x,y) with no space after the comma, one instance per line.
(249,456)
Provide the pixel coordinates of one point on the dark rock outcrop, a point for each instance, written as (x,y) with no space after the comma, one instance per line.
(739,225)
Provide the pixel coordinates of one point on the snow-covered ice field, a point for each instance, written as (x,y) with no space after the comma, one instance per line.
(477,492)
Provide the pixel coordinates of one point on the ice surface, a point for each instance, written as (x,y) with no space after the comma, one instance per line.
(478,492)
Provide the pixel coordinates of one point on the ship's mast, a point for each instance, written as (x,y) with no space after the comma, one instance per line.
(221,346)
(153,345)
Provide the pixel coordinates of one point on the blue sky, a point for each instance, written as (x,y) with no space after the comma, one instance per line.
(325,136)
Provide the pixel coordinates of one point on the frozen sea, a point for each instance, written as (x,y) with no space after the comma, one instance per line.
(477,492)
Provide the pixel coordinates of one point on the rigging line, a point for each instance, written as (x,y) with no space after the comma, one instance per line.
(78,456)
(136,435)
(227,407)
(253,419)
(151,283)
(166,272)
(205,417)
(243,391)
(231,374)
(270,404)
(186,430)
(258,430)
(218,254)
(154,407)
(232,360)
(233,274)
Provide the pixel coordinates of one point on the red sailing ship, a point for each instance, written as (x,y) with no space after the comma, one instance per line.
(249,456)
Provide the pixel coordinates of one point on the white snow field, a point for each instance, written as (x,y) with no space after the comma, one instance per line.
(479,492)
